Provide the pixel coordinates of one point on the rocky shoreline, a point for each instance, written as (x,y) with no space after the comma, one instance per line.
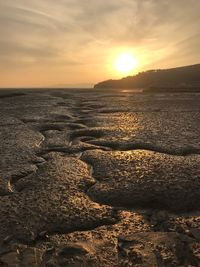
(99,178)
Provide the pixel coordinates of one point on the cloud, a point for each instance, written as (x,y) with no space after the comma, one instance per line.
(83,32)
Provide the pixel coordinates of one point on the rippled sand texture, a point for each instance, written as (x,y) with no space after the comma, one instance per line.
(99,178)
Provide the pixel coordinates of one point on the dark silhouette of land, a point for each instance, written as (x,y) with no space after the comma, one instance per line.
(177,79)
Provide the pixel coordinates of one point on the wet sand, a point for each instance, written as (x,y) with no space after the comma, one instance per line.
(99,178)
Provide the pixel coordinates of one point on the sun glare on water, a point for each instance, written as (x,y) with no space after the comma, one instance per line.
(125,63)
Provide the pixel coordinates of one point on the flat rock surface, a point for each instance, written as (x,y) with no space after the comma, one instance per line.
(99,178)
(145,179)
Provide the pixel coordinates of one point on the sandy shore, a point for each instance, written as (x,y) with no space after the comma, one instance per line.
(99,178)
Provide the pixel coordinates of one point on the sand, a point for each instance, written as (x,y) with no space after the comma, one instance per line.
(99,178)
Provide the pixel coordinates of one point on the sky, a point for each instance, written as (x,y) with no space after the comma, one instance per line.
(74,43)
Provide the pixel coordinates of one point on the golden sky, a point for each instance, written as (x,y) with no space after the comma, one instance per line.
(75,43)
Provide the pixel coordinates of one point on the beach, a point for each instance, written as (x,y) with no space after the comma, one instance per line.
(93,177)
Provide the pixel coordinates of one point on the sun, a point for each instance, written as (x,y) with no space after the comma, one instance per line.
(125,63)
